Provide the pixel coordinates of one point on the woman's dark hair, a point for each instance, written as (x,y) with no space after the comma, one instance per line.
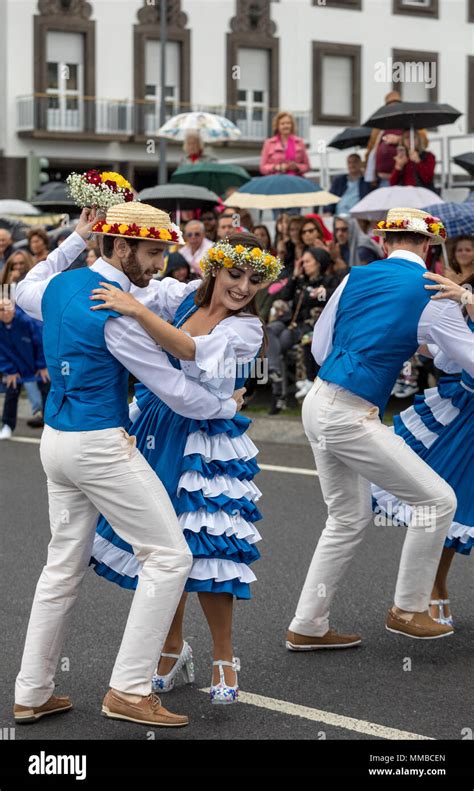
(41,233)
(452,257)
(108,244)
(321,256)
(469,281)
(268,243)
(205,291)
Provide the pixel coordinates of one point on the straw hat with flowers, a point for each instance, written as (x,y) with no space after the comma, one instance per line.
(413,221)
(140,221)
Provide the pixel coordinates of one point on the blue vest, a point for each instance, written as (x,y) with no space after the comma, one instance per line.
(376,327)
(89,387)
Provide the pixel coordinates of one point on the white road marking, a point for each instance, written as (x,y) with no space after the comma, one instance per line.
(293,470)
(32,440)
(326,717)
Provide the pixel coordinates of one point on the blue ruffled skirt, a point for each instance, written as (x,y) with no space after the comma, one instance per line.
(207,468)
(439,428)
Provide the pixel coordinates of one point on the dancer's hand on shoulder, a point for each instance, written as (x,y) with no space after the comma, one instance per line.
(238,396)
(448,290)
(114,298)
(87,220)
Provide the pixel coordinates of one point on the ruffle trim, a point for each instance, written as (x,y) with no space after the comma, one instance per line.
(236,468)
(223,547)
(194,501)
(220,446)
(459,537)
(218,523)
(232,488)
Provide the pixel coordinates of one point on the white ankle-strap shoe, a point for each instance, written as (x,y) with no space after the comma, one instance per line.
(221,692)
(184,663)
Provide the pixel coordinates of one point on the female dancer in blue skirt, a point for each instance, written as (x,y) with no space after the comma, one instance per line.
(439,428)
(207,466)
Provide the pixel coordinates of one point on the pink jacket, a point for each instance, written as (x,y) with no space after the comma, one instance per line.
(273,153)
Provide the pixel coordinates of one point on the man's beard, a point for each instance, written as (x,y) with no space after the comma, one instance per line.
(133,270)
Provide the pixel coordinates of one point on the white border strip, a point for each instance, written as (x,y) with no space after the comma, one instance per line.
(336,720)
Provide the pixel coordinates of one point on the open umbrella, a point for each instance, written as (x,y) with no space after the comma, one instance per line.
(177,197)
(215,176)
(376,204)
(55,197)
(352,136)
(279,192)
(211,127)
(457,218)
(17,208)
(412,115)
(466,161)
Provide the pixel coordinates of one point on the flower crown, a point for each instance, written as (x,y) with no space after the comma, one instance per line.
(432,225)
(223,254)
(101,190)
(140,231)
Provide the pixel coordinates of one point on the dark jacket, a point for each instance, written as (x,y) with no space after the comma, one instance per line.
(339,185)
(21,346)
(297,291)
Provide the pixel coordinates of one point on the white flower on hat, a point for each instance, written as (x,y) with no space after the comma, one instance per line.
(416,224)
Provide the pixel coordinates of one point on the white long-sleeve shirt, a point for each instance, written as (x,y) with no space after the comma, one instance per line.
(126,340)
(441,323)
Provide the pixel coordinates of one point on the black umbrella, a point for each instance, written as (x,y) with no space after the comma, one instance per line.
(352,136)
(54,197)
(466,161)
(177,197)
(412,115)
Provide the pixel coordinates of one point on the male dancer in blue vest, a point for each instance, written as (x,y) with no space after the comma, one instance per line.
(93,466)
(375,320)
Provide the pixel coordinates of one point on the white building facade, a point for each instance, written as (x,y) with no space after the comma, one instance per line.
(80,80)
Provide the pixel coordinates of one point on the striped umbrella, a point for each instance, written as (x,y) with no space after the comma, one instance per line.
(279,192)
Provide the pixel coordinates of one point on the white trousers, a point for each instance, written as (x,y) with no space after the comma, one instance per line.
(352,447)
(92,472)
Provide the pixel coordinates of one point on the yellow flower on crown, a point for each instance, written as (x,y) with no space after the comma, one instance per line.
(220,254)
(239,248)
(122,228)
(256,252)
(228,263)
(381,224)
(165,235)
(106,227)
(268,260)
(117,178)
(144,232)
(399,223)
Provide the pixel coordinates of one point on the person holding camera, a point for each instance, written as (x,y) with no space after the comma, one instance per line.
(413,167)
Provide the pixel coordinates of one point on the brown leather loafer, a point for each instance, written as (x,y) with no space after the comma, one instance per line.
(301,642)
(55,705)
(148,711)
(421,626)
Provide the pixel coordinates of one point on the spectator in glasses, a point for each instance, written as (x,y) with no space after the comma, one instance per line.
(311,234)
(196,244)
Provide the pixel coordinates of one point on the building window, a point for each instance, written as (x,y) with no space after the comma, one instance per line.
(355,5)
(64,68)
(153,82)
(415,75)
(147,55)
(65,82)
(470,93)
(253,92)
(417,7)
(336,83)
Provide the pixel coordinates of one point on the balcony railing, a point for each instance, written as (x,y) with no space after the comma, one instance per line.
(74,114)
